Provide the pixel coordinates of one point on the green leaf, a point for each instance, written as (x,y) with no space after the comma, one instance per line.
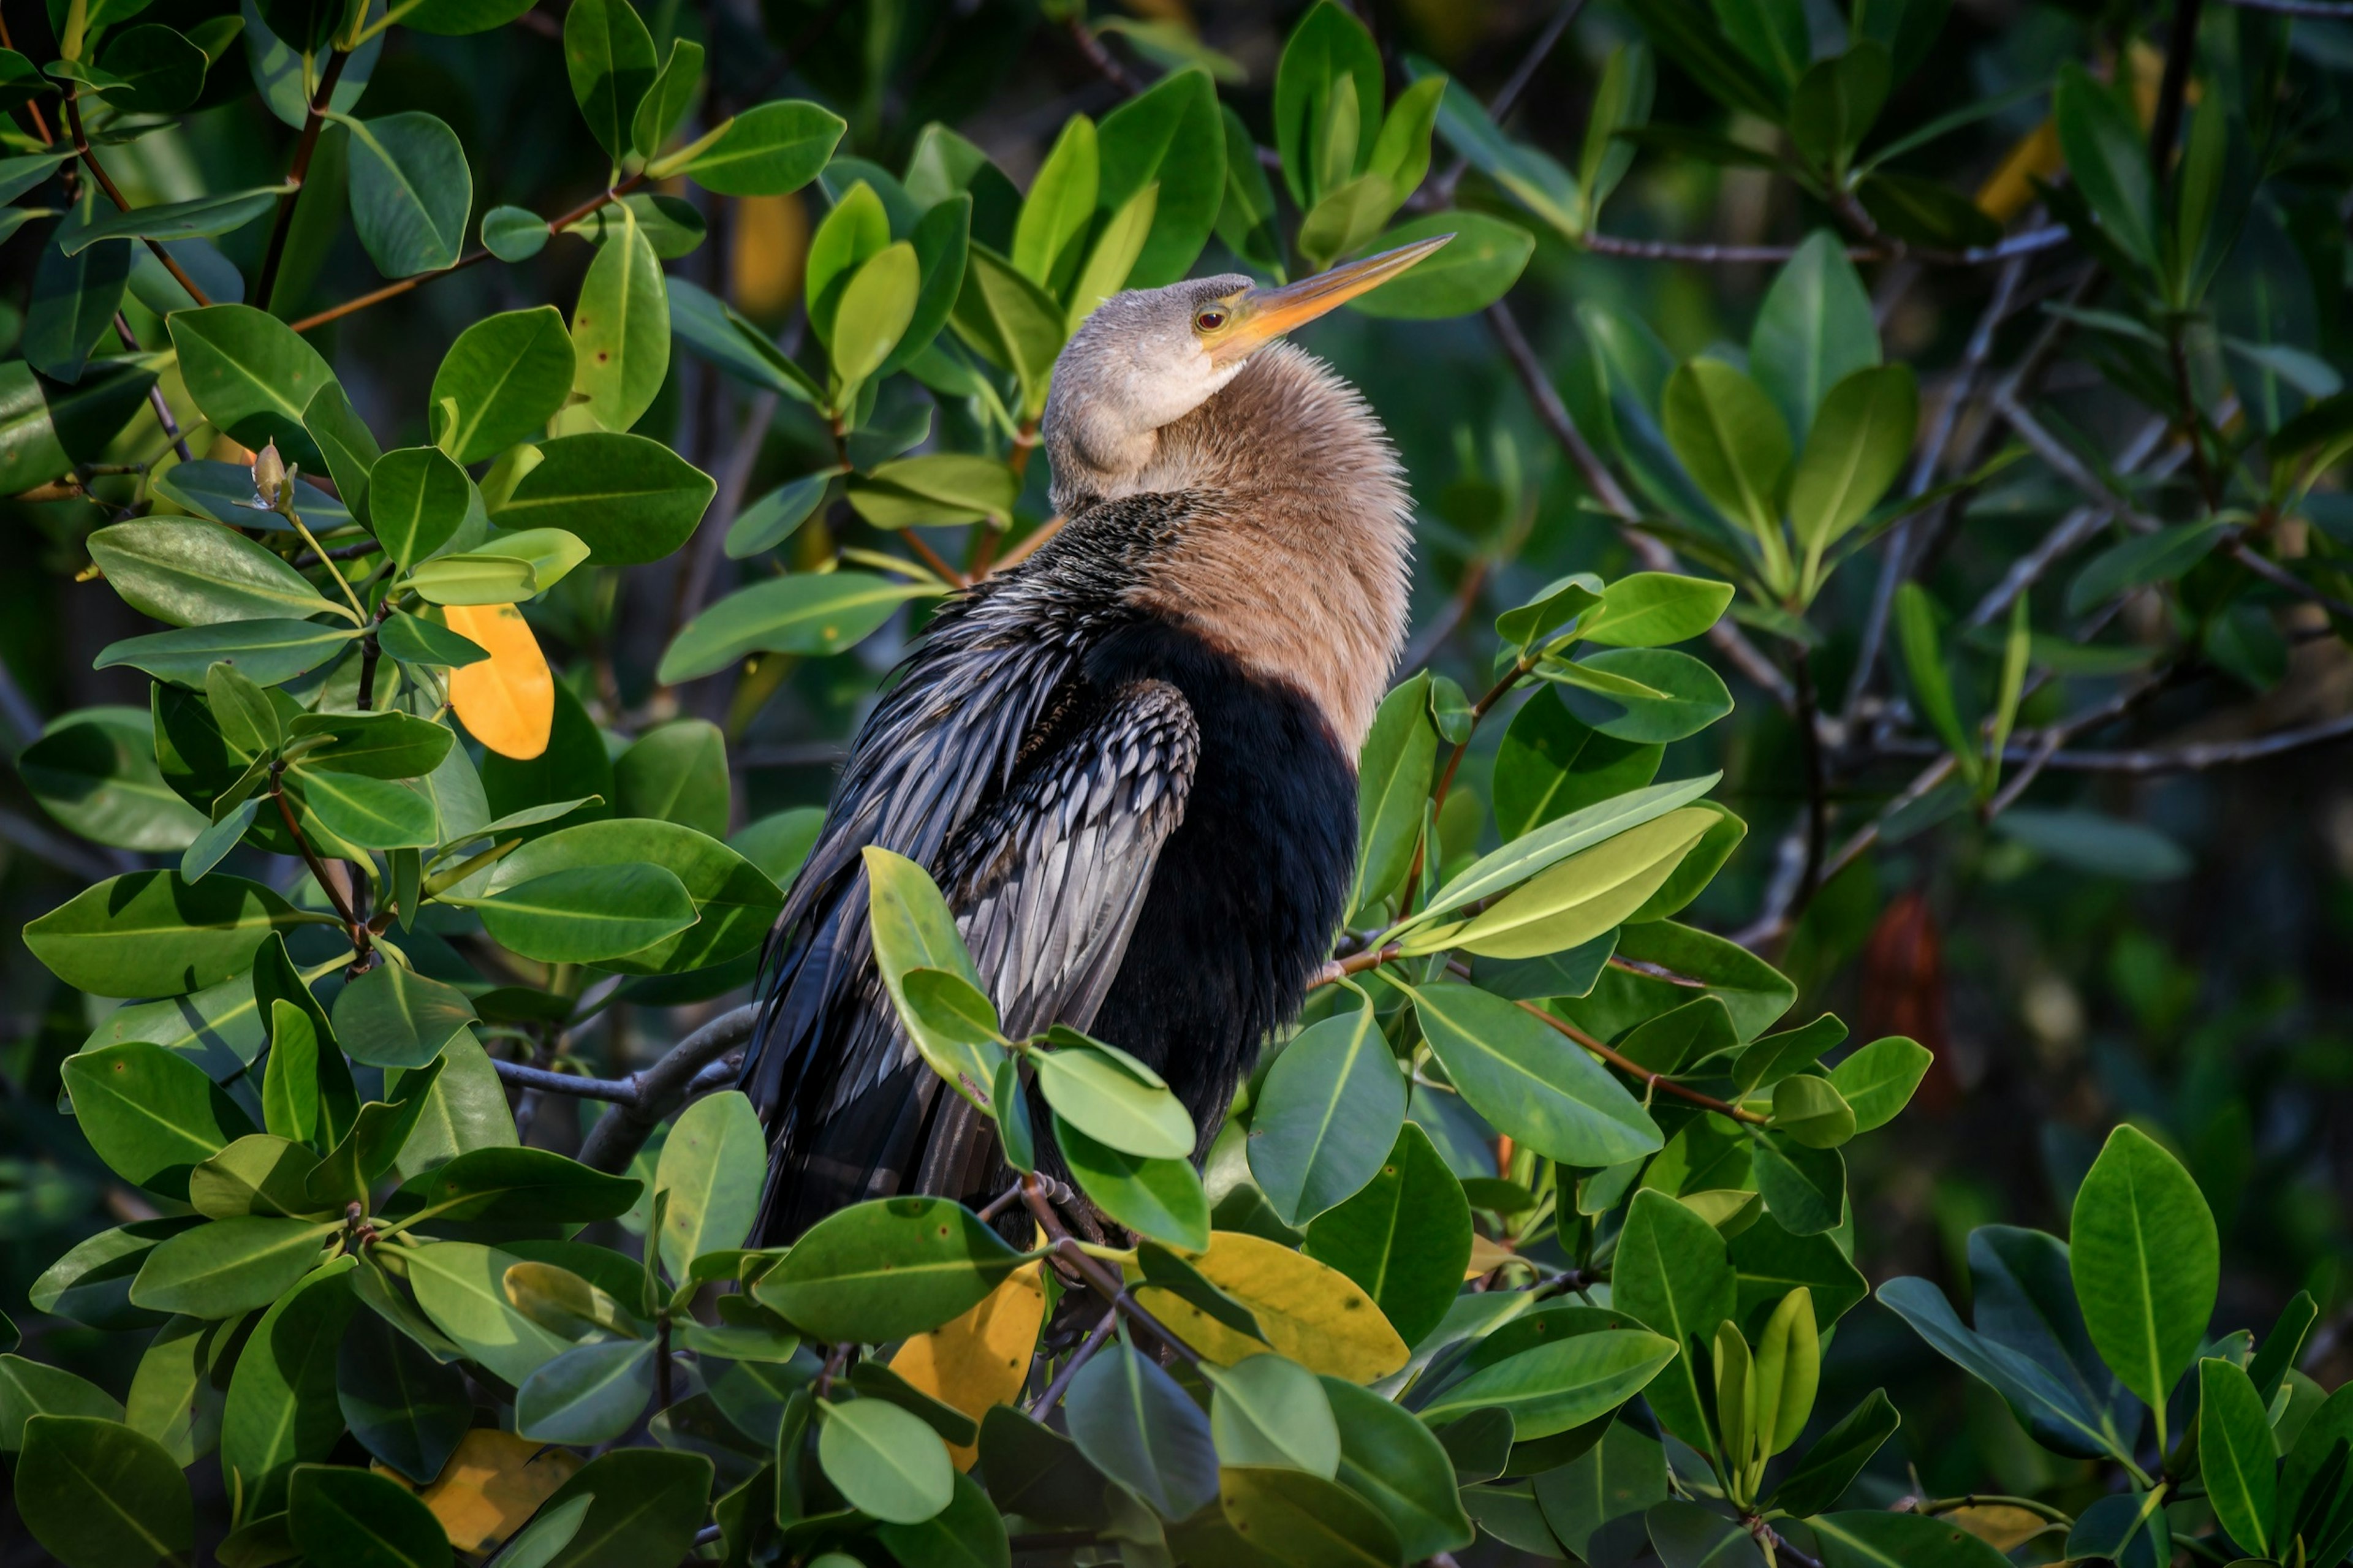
(414,641)
(1803,1187)
(1055,215)
(913,929)
(267,652)
(1734,443)
(151,934)
(1859,445)
(98,1495)
(1932,684)
(884,1460)
(1325,1117)
(1477,267)
(773,518)
(1646,609)
(2236,1457)
(372,812)
(589,913)
(29,1388)
(1092,1092)
(260,1174)
(203,216)
(2160,557)
(2146,1263)
(503,379)
(1579,900)
(677,772)
(1555,1387)
(1554,841)
(734,902)
(714,1165)
(1531,1082)
(250,376)
(362,1520)
(1647,695)
(969,1533)
(620,326)
(352,454)
(1294,1517)
(1390,1458)
(1158,1197)
(2092,842)
(392,1017)
(513,234)
(1811,1110)
(631,500)
(1672,1274)
(281,1409)
(460,1286)
(1172,136)
(666,101)
(1877,1081)
(1265,1410)
(230,1266)
(412,192)
(1813,331)
(404,1406)
(1328,56)
(1836,101)
(1823,1475)
(380,745)
(936,487)
(609,57)
(1405,1238)
(881,1270)
(1010,322)
(1137,1426)
(876,307)
(1392,785)
(151,1115)
(224,491)
(528,1186)
(589,1394)
(2107,157)
(72,305)
(30,453)
(647,1504)
(198,572)
(1872,1539)
(94,770)
(770,150)
(472,578)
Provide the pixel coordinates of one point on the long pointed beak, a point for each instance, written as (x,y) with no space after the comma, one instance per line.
(1263,315)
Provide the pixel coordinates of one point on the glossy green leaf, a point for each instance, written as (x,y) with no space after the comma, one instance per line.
(250,376)
(620,326)
(1392,784)
(1672,1274)
(1092,1092)
(1531,1081)
(503,380)
(1874,1539)
(609,57)
(881,1270)
(1647,695)
(1814,329)
(1478,267)
(1161,1198)
(408,1409)
(2107,157)
(589,913)
(1859,443)
(30,1388)
(1392,1460)
(1137,1426)
(1877,1080)
(362,1520)
(149,1113)
(392,1017)
(1295,1517)
(2146,1262)
(1325,1116)
(770,150)
(94,770)
(98,1495)
(677,772)
(1581,898)
(460,1286)
(714,1166)
(281,1408)
(525,1186)
(647,1504)
(1405,1238)
(592,1394)
(190,574)
(268,652)
(631,500)
(885,1461)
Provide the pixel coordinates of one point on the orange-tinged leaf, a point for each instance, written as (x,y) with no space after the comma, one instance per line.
(1315,1315)
(2010,189)
(982,1358)
(507,701)
(771,247)
(492,1486)
(1486,1256)
(2002,1525)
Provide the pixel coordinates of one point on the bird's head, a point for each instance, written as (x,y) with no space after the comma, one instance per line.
(1146,358)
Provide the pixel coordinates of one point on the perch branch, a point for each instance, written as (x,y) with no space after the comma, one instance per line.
(1627,1065)
(660,1090)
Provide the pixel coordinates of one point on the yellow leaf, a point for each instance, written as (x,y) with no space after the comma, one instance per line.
(2002,1525)
(982,1358)
(771,250)
(2010,189)
(507,701)
(1486,1257)
(492,1486)
(1317,1316)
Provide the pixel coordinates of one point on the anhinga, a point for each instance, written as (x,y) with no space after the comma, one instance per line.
(1130,762)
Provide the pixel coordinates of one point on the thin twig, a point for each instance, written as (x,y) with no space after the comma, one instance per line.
(114,193)
(1106,1284)
(1627,1065)
(2026,244)
(2072,530)
(296,173)
(2196,756)
(523,1074)
(155,398)
(1078,1358)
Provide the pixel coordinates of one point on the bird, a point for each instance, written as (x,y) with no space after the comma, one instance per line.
(1129,762)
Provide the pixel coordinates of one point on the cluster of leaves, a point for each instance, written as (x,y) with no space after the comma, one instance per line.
(395,1333)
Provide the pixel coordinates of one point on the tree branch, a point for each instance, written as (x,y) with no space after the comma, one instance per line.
(114,193)
(661,1089)
(1627,1065)
(296,173)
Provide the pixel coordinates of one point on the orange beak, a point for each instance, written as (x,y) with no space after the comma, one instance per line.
(1262,315)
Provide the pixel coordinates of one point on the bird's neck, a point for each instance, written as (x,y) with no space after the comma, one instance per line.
(1295,552)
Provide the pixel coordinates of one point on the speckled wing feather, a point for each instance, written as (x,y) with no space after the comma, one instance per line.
(1037,801)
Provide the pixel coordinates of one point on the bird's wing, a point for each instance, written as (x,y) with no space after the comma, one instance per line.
(1047,883)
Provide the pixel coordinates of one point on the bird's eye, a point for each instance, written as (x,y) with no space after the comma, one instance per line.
(1210,319)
